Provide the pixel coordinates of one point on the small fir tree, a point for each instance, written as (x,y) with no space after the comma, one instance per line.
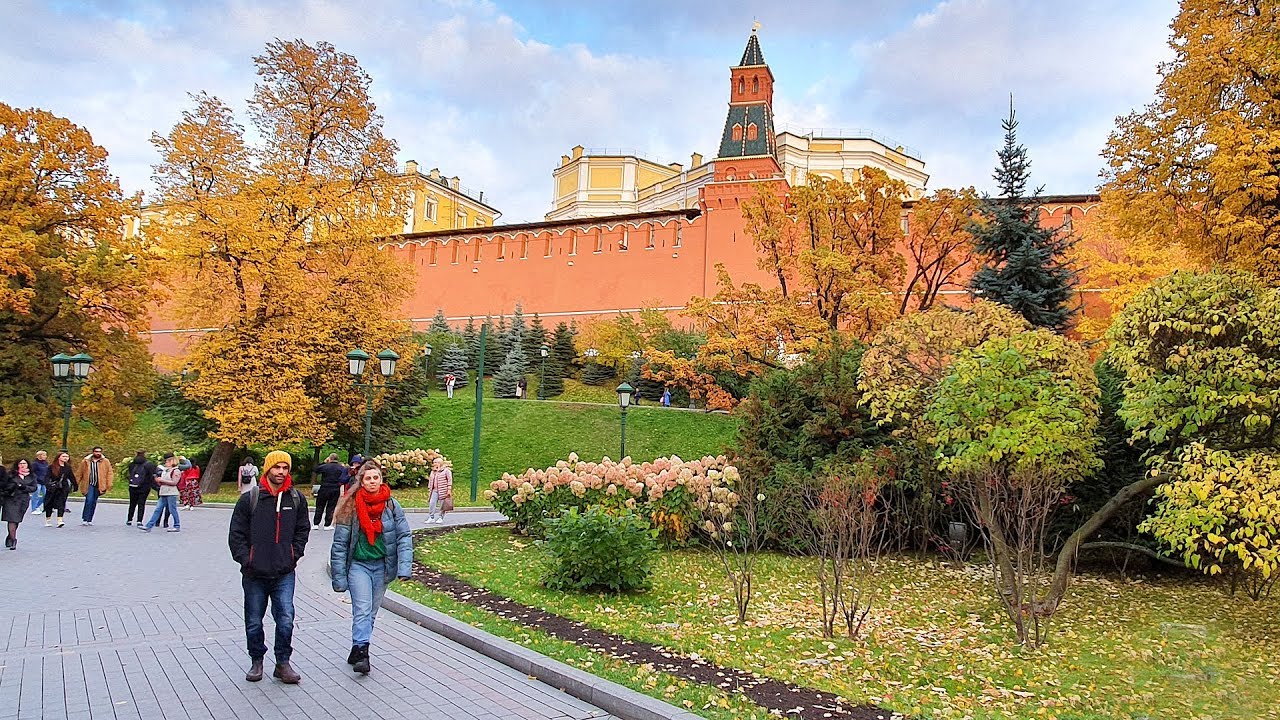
(553,379)
(514,338)
(1024,266)
(471,342)
(454,363)
(534,338)
(494,353)
(593,373)
(562,350)
(439,325)
(505,380)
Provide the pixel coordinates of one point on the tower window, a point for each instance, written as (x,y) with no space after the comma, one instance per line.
(752,132)
(755,84)
(742,86)
(737,131)
(429,209)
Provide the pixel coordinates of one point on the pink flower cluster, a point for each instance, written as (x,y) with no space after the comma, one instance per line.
(645,482)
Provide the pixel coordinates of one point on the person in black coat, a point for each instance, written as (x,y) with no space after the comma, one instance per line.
(58,488)
(15,497)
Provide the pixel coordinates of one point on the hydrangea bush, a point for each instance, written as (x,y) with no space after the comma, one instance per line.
(672,494)
(410,468)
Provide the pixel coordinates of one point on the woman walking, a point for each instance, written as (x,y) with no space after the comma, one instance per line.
(189,485)
(58,488)
(440,485)
(372,546)
(15,491)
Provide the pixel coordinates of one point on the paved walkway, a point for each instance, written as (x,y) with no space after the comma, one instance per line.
(108,622)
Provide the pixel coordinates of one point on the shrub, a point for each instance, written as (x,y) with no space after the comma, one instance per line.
(410,468)
(598,550)
(669,492)
(593,373)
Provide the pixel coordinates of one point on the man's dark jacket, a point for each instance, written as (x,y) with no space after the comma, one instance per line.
(141,474)
(332,477)
(269,540)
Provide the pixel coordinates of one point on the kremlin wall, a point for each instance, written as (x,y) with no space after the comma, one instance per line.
(625,232)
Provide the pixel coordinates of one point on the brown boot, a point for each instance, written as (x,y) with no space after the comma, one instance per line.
(286,674)
(255,671)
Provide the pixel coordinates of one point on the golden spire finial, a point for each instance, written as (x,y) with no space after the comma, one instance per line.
(755,25)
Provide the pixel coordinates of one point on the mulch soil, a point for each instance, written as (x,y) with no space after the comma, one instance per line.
(790,700)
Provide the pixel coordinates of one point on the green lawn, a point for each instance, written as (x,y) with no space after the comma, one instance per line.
(519,434)
(938,646)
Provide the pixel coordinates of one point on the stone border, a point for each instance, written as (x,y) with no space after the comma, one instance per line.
(609,696)
(229,506)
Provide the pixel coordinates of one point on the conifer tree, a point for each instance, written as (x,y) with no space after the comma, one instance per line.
(552,379)
(494,354)
(563,353)
(438,323)
(1025,266)
(515,337)
(454,363)
(504,381)
(535,338)
(471,342)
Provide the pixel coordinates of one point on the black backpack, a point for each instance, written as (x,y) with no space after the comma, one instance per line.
(256,490)
(138,475)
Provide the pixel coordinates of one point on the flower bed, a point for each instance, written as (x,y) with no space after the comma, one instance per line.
(672,493)
(410,468)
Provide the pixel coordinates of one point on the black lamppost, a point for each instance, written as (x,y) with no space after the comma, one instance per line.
(544,351)
(624,400)
(69,373)
(426,366)
(356,360)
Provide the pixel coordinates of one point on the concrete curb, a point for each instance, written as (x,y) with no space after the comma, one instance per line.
(609,696)
(229,506)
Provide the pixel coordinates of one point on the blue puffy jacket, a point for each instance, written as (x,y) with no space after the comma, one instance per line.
(396,536)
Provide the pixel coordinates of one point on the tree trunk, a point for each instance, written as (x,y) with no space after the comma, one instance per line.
(1071,548)
(217,467)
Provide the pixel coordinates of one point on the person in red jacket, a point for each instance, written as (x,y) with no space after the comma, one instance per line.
(189,485)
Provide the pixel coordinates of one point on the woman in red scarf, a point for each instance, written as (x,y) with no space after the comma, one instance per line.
(372,546)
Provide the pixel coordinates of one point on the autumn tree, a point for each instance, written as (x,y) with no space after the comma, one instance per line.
(275,244)
(71,281)
(1024,265)
(1200,165)
(939,246)
(666,368)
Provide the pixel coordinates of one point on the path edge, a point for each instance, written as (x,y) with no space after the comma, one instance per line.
(607,695)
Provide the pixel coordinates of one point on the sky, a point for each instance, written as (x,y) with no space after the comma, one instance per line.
(496,91)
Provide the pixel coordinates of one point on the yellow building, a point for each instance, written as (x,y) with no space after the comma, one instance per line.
(441,203)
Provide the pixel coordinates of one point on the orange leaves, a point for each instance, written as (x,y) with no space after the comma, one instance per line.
(668,369)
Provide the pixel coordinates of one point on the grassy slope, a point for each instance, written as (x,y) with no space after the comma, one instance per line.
(939,646)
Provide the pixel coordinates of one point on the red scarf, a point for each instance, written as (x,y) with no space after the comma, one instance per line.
(369,507)
(266,486)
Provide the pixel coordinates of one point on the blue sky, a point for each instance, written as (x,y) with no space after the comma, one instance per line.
(495,92)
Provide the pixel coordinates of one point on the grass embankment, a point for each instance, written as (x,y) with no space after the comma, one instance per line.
(516,434)
(938,645)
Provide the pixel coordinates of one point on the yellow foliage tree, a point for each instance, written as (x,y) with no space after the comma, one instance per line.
(1198,166)
(938,245)
(71,282)
(276,245)
(667,368)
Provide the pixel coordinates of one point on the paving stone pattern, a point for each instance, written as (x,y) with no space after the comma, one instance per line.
(108,622)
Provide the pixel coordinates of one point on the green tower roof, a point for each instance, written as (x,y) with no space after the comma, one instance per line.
(752,55)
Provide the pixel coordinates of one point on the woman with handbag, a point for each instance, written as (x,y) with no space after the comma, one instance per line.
(58,488)
(16,490)
(440,485)
(372,546)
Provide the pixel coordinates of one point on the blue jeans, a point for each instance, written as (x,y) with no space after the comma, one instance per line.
(37,498)
(90,503)
(368,585)
(169,502)
(256,592)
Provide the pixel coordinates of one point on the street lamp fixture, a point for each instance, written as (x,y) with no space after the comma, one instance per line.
(624,400)
(544,351)
(69,374)
(356,361)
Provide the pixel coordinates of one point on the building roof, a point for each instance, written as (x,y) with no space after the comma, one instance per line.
(744,116)
(687,214)
(752,55)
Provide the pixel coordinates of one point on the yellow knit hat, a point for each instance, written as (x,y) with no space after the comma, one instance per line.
(274,457)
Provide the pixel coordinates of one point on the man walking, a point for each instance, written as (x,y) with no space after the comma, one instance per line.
(449,383)
(167,480)
(95,481)
(332,476)
(141,474)
(268,535)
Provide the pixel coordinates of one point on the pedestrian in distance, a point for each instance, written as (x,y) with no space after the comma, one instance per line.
(96,475)
(58,488)
(330,479)
(39,468)
(522,388)
(189,484)
(168,480)
(372,546)
(353,468)
(247,475)
(449,383)
(440,485)
(268,536)
(16,487)
(141,475)
(666,397)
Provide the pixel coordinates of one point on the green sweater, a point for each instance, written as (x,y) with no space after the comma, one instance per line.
(364,551)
